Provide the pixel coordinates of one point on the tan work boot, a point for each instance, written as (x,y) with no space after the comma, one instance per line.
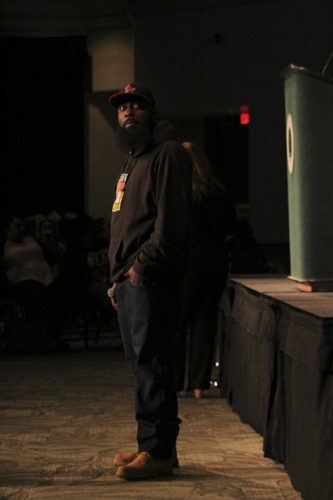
(198,393)
(126,457)
(145,466)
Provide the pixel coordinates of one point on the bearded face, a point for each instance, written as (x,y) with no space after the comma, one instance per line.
(135,121)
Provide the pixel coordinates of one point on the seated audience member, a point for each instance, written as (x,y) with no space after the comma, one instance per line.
(31,281)
(23,256)
(53,248)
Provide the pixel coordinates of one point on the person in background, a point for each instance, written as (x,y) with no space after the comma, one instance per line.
(212,225)
(23,256)
(30,280)
(53,248)
(148,259)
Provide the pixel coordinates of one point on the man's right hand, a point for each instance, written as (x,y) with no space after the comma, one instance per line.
(133,276)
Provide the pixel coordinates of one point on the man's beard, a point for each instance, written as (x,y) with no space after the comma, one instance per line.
(135,138)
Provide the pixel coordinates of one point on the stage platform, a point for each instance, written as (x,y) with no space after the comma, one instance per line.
(277,373)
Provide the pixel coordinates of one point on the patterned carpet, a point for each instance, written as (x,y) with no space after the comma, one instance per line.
(63,416)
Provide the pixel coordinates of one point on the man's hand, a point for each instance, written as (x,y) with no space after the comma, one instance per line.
(112,295)
(133,276)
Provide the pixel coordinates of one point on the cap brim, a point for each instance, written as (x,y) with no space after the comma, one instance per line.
(116,99)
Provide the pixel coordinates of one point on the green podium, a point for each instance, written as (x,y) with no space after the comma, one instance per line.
(309,144)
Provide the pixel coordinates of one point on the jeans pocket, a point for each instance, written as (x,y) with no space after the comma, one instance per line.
(139,284)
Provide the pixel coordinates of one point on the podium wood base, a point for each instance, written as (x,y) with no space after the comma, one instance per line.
(313,286)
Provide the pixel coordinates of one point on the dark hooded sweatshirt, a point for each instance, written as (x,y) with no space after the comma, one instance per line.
(151,212)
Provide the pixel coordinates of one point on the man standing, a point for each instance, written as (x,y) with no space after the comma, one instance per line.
(148,256)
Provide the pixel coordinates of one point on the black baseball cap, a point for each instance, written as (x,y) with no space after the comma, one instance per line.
(131,92)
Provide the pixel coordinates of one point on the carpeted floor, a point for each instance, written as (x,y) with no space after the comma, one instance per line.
(63,416)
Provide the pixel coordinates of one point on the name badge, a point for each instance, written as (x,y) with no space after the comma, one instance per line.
(119,192)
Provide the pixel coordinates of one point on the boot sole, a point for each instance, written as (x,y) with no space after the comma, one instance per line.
(175,464)
(127,477)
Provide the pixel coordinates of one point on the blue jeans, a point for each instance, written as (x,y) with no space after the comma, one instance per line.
(147,317)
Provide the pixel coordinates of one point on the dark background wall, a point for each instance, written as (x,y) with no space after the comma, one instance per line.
(42,123)
(203,59)
(211,61)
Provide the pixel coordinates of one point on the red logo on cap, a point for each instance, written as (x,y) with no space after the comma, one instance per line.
(129,89)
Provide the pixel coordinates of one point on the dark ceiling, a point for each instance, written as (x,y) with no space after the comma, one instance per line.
(80,17)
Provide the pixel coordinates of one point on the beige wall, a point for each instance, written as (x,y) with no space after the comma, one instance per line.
(104,163)
(112,59)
